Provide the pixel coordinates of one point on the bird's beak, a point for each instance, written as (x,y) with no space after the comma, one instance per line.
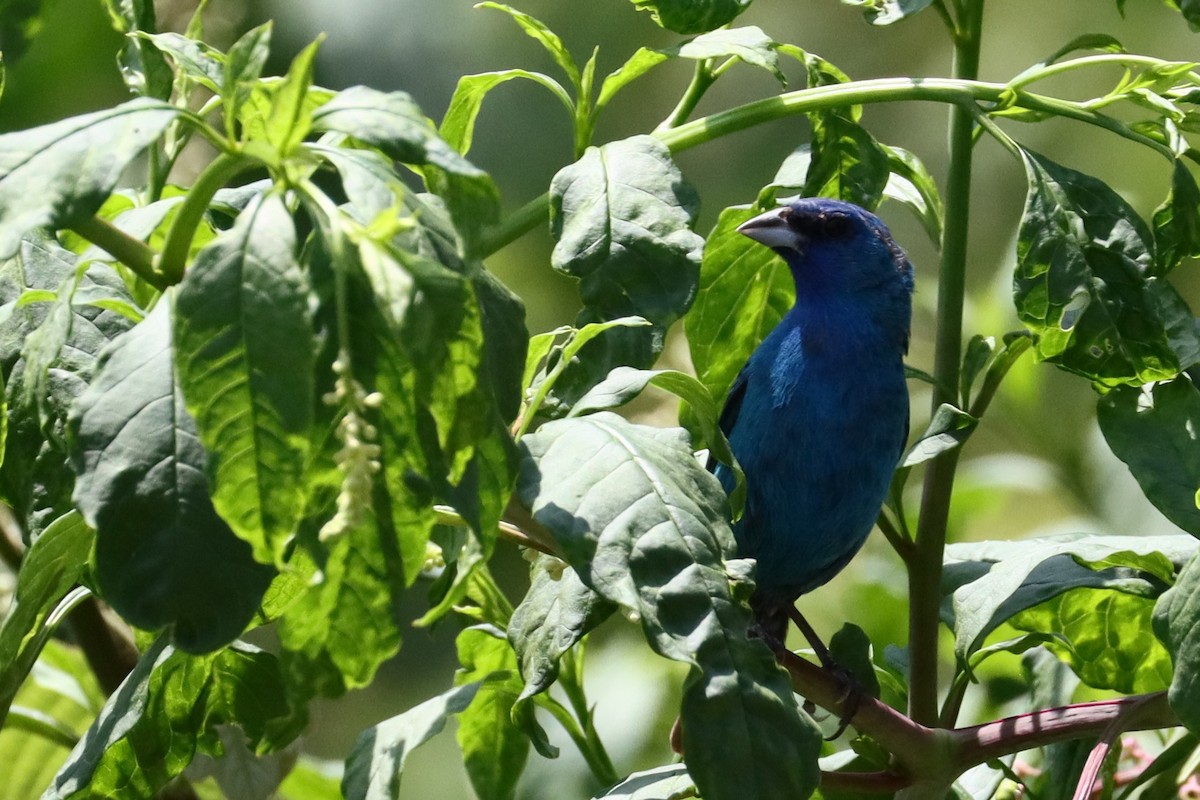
(770,228)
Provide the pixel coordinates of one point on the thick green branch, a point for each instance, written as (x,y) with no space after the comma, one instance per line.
(925,568)
(882,90)
(131,252)
(173,259)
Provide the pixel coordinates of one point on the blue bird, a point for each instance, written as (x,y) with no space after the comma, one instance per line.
(818,416)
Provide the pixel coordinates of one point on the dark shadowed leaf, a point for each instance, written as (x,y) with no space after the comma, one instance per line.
(1154,430)
(200,62)
(244,346)
(163,556)
(167,711)
(693,16)
(644,525)
(53,565)
(60,173)
(494,749)
(986,583)
(1177,222)
(1083,283)
(143,67)
(1177,623)
(377,758)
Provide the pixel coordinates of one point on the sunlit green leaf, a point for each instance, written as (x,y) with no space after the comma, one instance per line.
(494,749)
(244,346)
(547,38)
(458,126)
(885,12)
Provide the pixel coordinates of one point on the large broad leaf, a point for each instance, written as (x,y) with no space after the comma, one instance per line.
(245,346)
(621,216)
(53,565)
(989,582)
(1154,430)
(163,555)
(643,524)
(1083,283)
(167,711)
(60,173)
(494,749)
(1177,623)
(693,16)
(377,759)
(745,289)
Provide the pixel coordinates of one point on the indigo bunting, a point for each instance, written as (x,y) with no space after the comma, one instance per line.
(818,416)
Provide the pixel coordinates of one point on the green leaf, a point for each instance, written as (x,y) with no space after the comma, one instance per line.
(621,216)
(166,712)
(885,12)
(163,556)
(910,184)
(244,345)
(748,45)
(377,758)
(745,289)
(669,780)
(197,60)
(987,583)
(692,16)
(291,114)
(505,340)
(142,66)
(1177,222)
(243,66)
(1154,430)
(851,648)
(1083,283)
(392,122)
(494,749)
(61,691)
(1106,637)
(949,428)
(458,125)
(1190,11)
(312,779)
(1178,627)
(55,563)
(547,38)
(557,612)
(643,524)
(60,173)
(846,163)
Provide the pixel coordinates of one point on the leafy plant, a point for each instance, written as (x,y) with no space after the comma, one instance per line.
(275,398)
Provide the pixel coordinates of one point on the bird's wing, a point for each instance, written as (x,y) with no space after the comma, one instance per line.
(729,414)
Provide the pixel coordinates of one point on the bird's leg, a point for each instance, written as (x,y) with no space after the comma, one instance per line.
(852,688)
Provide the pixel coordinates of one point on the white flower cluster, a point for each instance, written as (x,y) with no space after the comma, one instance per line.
(358,459)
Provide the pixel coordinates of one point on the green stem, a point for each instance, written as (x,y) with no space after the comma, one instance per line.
(597,762)
(702,78)
(925,569)
(131,252)
(882,90)
(1061,67)
(173,259)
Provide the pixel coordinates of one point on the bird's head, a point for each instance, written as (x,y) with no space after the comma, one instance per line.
(841,256)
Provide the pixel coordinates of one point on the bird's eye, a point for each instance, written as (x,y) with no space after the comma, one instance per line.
(836,226)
